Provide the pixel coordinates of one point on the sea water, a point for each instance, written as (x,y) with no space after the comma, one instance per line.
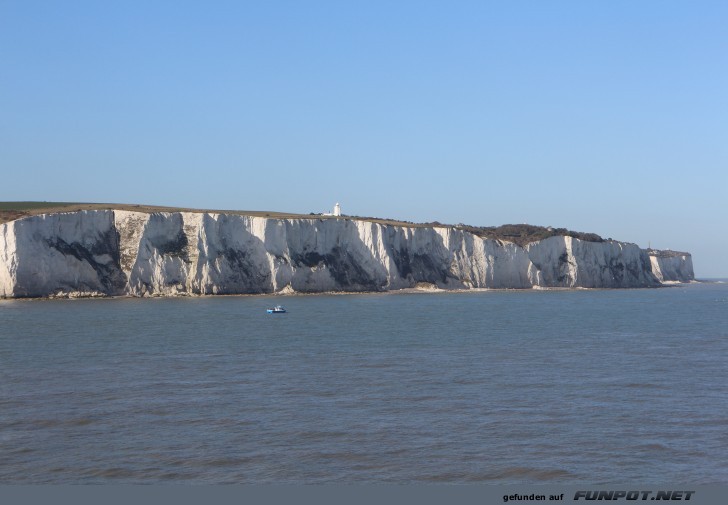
(495,387)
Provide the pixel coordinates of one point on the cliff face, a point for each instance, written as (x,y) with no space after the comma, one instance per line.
(671,266)
(110,252)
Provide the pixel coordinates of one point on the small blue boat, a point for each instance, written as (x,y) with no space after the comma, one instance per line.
(276,310)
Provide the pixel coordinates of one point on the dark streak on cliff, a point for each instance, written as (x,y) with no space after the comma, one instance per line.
(343,267)
(245,277)
(110,276)
(176,247)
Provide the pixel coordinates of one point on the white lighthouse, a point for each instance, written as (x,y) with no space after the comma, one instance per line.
(337,209)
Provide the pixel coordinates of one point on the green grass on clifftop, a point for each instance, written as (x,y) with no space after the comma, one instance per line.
(10,211)
(32,205)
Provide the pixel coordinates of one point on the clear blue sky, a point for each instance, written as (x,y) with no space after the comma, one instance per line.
(609,117)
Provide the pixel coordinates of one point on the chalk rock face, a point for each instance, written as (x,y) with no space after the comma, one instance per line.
(671,266)
(60,254)
(570,262)
(100,253)
(8,261)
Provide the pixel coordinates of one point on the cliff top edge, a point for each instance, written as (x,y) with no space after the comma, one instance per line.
(520,234)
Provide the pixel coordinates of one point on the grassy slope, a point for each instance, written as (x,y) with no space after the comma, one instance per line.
(520,234)
(15,210)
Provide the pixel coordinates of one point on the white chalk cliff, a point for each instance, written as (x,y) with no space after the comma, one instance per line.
(113,252)
(671,266)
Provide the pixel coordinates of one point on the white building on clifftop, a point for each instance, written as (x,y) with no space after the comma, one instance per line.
(337,211)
